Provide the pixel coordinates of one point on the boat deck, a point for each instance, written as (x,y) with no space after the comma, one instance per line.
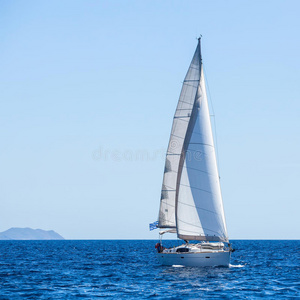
(196,248)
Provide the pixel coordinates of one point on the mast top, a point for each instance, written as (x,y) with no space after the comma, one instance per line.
(199,44)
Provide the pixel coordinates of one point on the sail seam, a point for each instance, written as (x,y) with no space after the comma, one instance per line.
(171,171)
(192,187)
(198,133)
(177,136)
(200,144)
(186,84)
(193,67)
(181,101)
(169,187)
(199,208)
(177,117)
(165,200)
(190,168)
(206,229)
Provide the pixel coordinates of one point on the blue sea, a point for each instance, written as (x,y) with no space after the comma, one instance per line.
(128,270)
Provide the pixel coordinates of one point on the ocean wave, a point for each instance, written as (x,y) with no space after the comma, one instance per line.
(236,266)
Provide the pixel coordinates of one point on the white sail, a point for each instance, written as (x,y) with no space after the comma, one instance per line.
(180,123)
(199,206)
(191,198)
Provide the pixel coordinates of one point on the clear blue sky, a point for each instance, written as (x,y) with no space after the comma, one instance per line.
(88,90)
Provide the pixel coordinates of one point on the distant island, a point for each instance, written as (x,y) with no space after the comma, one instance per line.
(29,234)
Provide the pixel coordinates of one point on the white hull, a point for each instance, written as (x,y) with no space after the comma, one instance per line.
(203,259)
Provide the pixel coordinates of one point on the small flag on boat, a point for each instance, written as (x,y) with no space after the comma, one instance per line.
(153,225)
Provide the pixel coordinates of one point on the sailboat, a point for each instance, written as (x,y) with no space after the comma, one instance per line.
(191,201)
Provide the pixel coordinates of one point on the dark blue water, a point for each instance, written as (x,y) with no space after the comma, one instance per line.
(128,269)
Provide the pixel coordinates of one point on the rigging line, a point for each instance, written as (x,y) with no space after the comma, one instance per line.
(214,120)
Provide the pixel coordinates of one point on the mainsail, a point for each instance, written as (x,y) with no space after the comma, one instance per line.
(191,198)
